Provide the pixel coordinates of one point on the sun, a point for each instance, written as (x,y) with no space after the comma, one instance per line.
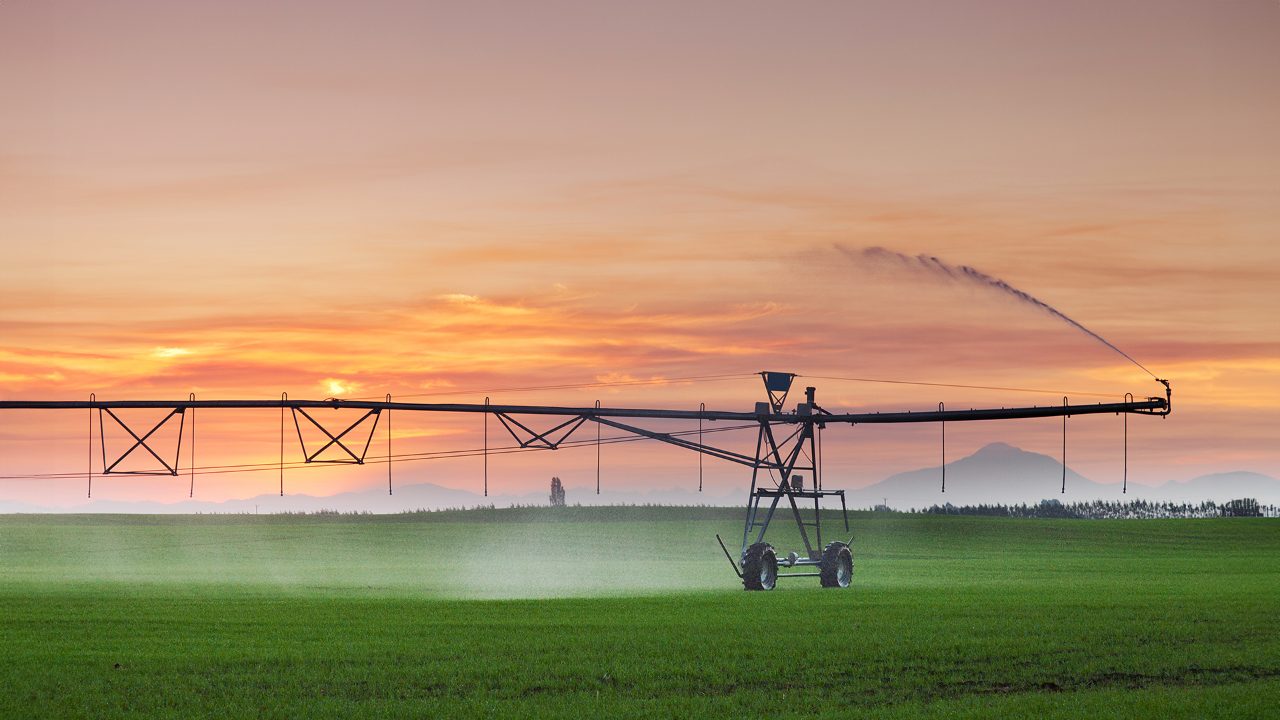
(336,387)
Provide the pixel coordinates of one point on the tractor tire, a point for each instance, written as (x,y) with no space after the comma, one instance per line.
(760,567)
(837,566)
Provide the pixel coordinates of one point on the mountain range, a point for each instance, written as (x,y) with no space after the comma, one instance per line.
(1003,474)
(996,474)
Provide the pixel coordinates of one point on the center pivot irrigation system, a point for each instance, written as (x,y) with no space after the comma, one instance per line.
(788,445)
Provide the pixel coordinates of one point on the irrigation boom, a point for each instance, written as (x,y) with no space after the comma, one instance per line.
(788,445)
(1153,405)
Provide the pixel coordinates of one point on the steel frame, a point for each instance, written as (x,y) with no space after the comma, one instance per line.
(540,439)
(140,441)
(787,443)
(772,454)
(336,440)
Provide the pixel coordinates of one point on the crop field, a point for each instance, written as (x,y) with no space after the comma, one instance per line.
(632,612)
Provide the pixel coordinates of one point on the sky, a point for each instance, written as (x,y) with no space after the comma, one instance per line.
(239,199)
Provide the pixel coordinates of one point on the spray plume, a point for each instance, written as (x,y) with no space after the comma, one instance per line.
(964,273)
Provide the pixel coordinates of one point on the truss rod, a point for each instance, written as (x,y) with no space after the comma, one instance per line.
(672,439)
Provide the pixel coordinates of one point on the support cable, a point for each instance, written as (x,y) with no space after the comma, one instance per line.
(284,397)
(486,447)
(597,452)
(1064,449)
(702,407)
(581,386)
(388,446)
(102,440)
(817,450)
(92,398)
(191,492)
(949,385)
(406,457)
(941,408)
(1124,487)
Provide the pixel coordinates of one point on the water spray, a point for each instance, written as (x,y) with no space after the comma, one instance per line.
(965,273)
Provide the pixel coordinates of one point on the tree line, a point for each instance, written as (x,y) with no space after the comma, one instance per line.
(1110,510)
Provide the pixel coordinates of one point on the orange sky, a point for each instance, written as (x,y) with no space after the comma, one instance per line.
(239,199)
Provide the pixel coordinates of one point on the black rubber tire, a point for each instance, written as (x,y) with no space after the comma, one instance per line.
(837,566)
(760,567)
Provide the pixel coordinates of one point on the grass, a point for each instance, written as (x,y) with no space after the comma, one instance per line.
(632,612)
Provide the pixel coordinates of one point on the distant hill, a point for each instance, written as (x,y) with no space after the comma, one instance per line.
(1004,474)
(997,473)
(1000,473)
(1217,487)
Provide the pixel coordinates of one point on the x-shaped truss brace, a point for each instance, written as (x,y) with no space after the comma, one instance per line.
(774,450)
(335,439)
(529,438)
(140,441)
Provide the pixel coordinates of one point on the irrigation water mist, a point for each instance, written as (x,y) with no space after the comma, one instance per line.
(502,554)
(933,267)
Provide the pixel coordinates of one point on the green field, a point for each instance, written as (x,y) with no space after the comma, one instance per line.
(621,612)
